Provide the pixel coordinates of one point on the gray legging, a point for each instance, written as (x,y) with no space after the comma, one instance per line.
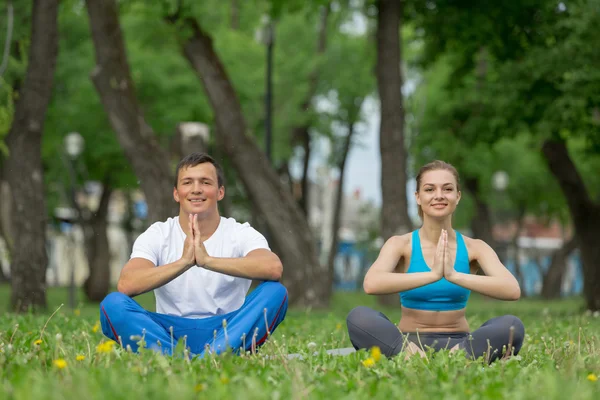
(368,328)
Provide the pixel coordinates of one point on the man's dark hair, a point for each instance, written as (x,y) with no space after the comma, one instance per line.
(193,159)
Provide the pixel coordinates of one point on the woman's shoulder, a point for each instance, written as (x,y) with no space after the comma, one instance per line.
(400,243)
(474,246)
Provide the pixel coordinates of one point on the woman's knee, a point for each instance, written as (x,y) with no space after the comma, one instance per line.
(360,316)
(515,327)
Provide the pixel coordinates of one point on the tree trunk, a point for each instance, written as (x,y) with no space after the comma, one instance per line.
(584,213)
(337,209)
(97,284)
(226,203)
(5,208)
(291,235)
(4,220)
(553,279)
(235,15)
(394,208)
(112,79)
(301,134)
(481,224)
(305,181)
(24,168)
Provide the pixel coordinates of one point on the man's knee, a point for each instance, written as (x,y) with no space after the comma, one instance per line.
(274,290)
(114,301)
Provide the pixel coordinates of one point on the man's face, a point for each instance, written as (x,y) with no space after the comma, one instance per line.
(197,190)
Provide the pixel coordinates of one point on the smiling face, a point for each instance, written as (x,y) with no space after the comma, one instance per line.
(438,193)
(198,190)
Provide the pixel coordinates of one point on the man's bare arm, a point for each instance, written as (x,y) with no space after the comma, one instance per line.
(258,264)
(140,275)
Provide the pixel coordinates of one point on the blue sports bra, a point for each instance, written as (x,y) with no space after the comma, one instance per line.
(441,295)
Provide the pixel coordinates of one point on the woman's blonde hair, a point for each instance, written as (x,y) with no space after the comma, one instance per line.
(436,166)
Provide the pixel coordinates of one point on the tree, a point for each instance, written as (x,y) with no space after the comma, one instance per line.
(394,208)
(542,53)
(346,90)
(113,81)
(29,259)
(291,235)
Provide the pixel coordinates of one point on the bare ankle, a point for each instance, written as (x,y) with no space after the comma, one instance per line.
(412,349)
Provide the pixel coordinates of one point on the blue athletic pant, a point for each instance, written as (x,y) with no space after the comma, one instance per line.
(125,321)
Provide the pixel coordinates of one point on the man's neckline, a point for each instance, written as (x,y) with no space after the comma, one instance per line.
(208,238)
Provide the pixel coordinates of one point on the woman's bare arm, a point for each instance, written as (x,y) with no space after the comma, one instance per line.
(498,282)
(381,278)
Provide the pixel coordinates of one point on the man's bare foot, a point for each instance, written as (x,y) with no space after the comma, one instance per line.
(411,349)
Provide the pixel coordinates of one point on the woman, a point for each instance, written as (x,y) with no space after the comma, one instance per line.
(435,268)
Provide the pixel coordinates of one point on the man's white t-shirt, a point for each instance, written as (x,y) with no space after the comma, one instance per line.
(199,292)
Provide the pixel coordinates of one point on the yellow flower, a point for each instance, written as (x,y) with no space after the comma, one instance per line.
(80,357)
(338,326)
(592,377)
(224,380)
(60,363)
(106,347)
(38,342)
(376,353)
(199,387)
(369,362)
(96,327)
(77,312)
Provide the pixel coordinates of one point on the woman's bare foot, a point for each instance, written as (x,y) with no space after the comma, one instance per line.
(452,350)
(411,349)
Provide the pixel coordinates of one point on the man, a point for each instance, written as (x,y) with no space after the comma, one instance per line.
(200,266)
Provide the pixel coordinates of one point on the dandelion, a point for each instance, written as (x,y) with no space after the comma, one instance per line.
(60,363)
(96,327)
(375,353)
(80,357)
(77,312)
(338,326)
(369,362)
(224,380)
(106,347)
(200,387)
(38,342)
(592,378)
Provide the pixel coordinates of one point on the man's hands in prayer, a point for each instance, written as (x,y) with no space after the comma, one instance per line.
(188,246)
(199,249)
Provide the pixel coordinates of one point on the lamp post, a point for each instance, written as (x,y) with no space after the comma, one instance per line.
(74,144)
(267,36)
(500,181)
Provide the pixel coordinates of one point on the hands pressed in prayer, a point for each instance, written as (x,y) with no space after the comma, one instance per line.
(199,250)
(442,264)
(188,245)
(439,258)
(449,271)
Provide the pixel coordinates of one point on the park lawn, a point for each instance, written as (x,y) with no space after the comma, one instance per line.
(63,357)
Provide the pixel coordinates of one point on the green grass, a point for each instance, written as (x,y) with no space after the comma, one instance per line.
(561,350)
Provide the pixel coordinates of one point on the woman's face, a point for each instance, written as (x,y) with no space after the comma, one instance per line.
(438,193)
